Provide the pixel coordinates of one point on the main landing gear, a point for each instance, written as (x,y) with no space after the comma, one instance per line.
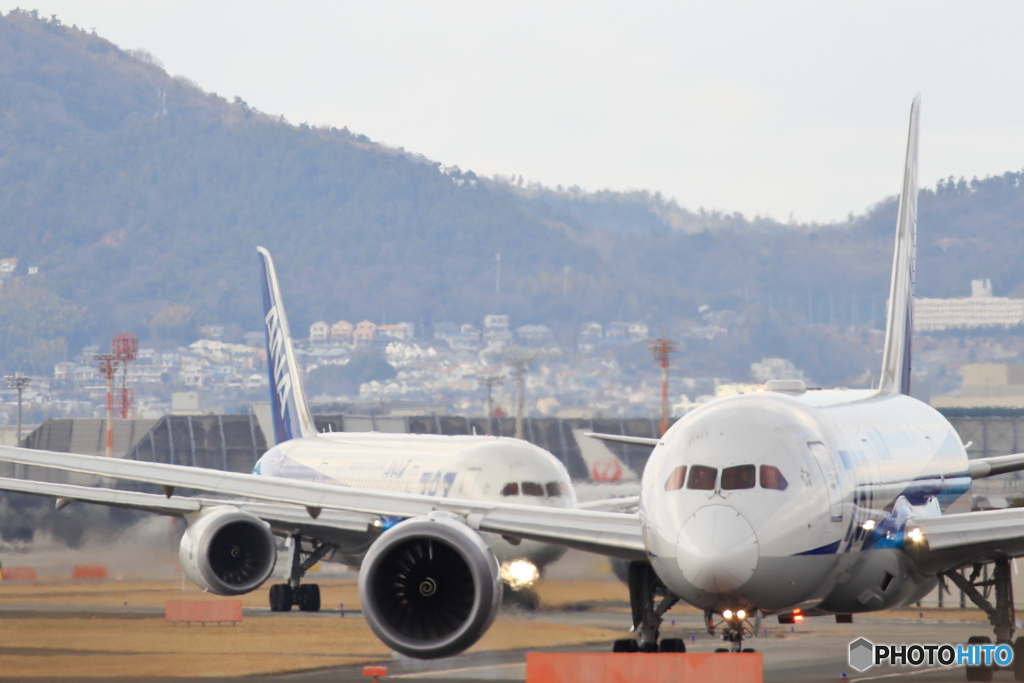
(305,596)
(643,583)
(1001,615)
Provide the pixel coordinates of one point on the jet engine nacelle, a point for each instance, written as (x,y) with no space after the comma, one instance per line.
(430,587)
(227,551)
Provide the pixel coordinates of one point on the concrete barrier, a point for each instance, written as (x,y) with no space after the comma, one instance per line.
(89,572)
(17,574)
(607,667)
(203,611)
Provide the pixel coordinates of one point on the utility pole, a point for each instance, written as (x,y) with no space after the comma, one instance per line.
(662,350)
(520,360)
(18,381)
(490,381)
(497,273)
(108,366)
(519,369)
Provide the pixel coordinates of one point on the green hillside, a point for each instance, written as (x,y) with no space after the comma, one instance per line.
(146,219)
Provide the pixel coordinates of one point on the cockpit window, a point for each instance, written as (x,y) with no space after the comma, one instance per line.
(676,479)
(771,478)
(739,477)
(702,478)
(554,488)
(532,488)
(510,489)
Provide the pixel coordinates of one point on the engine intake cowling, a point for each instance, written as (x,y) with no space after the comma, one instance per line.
(430,587)
(227,551)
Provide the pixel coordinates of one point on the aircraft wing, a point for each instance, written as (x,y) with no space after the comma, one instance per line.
(619,438)
(999,464)
(284,519)
(607,533)
(947,542)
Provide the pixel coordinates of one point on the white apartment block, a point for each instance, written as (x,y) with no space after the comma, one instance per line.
(981,309)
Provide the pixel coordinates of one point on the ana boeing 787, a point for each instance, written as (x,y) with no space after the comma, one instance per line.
(824,502)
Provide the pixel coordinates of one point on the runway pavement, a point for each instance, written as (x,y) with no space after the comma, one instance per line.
(815,650)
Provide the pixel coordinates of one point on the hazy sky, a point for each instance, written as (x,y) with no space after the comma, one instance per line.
(774,108)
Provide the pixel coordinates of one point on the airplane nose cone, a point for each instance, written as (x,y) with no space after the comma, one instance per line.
(717,549)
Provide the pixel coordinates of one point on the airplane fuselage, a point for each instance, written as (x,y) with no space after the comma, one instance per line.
(799,501)
(479,468)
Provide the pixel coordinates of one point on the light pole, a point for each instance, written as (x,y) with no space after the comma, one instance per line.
(18,381)
(490,381)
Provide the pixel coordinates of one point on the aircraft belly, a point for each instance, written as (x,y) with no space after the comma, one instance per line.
(875,580)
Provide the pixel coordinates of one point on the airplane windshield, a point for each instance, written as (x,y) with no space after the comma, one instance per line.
(532,488)
(702,478)
(676,479)
(739,477)
(510,489)
(771,478)
(554,488)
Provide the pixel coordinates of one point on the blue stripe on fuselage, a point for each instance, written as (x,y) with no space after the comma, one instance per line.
(829,549)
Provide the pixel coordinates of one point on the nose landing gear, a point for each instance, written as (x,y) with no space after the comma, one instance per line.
(735,628)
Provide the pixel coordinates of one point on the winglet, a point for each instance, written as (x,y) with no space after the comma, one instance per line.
(288,402)
(895,377)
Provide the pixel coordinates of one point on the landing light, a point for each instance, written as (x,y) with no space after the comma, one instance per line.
(868,525)
(798,615)
(740,614)
(519,574)
(915,535)
(727,614)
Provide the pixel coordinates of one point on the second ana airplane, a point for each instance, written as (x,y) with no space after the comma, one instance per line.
(785,501)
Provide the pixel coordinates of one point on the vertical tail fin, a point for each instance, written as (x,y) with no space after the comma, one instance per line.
(288,403)
(899,326)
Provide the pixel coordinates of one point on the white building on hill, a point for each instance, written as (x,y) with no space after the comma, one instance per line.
(981,309)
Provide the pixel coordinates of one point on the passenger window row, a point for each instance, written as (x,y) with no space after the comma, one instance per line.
(552,489)
(703,478)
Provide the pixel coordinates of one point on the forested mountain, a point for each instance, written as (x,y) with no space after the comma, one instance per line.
(141,199)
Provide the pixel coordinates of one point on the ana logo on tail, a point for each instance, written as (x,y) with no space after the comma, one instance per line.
(291,417)
(281,379)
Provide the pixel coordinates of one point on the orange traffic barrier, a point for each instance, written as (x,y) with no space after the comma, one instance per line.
(607,667)
(375,670)
(93,572)
(17,574)
(203,610)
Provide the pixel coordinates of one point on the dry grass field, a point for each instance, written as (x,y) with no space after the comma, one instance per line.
(34,643)
(120,646)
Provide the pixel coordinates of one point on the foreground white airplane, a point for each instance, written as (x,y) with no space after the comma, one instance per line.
(829,502)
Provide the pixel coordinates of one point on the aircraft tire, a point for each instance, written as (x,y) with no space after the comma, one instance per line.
(721,649)
(979,673)
(748,649)
(308,597)
(281,597)
(626,645)
(672,645)
(524,598)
